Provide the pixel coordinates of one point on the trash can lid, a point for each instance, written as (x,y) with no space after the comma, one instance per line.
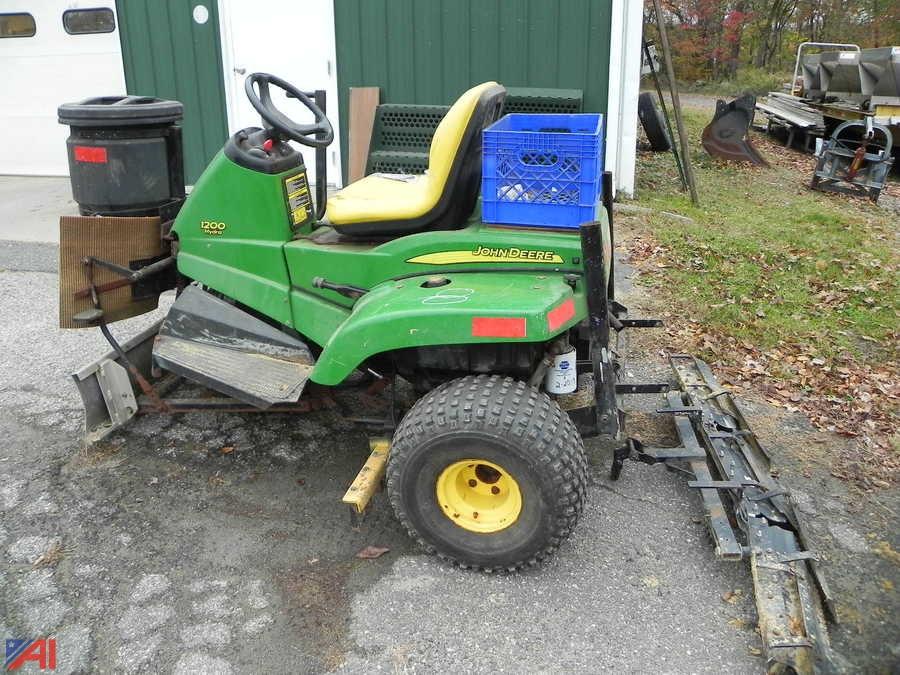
(115,111)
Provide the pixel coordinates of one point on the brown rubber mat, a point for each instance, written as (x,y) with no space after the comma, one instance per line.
(119,240)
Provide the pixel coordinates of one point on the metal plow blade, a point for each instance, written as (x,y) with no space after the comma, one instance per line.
(726,136)
(107,388)
(792,598)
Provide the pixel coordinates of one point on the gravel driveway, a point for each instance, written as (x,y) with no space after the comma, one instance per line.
(162,553)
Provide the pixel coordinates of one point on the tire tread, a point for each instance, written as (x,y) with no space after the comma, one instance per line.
(511,409)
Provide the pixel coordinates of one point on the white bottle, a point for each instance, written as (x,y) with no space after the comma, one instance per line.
(562,376)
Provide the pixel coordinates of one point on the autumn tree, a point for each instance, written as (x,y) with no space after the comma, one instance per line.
(714,39)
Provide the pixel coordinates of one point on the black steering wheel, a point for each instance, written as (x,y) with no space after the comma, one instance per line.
(307,134)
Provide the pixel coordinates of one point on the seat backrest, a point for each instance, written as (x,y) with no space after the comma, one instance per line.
(454,160)
(450,133)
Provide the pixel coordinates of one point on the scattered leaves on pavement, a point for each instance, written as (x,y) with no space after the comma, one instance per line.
(733,597)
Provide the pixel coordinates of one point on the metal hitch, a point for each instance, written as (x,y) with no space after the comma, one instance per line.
(855,160)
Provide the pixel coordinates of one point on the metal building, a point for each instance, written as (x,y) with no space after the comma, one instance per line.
(198,52)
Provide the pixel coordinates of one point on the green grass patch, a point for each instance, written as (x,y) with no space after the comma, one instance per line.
(767,259)
(747,80)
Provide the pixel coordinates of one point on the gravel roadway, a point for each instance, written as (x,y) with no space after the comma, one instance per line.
(169,555)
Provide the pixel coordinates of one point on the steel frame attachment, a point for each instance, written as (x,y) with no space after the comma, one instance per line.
(750,516)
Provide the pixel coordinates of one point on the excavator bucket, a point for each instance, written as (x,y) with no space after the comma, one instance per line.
(726,135)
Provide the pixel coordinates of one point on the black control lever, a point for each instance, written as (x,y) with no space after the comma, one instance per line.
(352,292)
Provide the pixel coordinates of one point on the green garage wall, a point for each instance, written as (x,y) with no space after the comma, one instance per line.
(430,51)
(169,55)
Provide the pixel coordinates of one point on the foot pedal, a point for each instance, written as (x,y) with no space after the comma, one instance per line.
(213,343)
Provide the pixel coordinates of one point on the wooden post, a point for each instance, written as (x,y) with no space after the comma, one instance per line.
(363,101)
(676,104)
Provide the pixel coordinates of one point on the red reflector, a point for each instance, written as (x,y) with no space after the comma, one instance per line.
(557,316)
(84,153)
(488,326)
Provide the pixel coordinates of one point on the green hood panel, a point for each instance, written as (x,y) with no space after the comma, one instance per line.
(473,308)
(474,248)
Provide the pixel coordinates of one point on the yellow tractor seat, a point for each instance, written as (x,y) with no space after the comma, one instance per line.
(443,197)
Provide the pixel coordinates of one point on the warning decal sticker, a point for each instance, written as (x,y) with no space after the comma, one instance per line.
(298,199)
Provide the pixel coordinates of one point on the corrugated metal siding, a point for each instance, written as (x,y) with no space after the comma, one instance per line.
(430,51)
(169,55)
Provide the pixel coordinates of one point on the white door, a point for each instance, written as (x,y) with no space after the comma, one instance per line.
(294,40)
(51,52)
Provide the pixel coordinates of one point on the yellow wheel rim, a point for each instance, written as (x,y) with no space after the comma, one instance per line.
(479,496)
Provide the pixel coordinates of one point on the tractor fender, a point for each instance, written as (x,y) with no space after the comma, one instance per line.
(460,308)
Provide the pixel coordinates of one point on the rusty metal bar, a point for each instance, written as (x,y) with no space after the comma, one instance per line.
(791,614)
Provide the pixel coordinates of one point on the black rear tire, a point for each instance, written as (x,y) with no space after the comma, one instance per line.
(653,122)
(504,423)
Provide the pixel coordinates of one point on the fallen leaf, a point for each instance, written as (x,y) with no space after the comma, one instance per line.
(886,551)
(50,557)
(227,450)
(372,552)
(732,597)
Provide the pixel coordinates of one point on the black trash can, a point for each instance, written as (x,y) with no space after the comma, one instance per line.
(125,155)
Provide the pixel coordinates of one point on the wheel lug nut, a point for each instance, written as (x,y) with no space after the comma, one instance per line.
(472,482)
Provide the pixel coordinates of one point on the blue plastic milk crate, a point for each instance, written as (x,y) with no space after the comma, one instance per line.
(542,170)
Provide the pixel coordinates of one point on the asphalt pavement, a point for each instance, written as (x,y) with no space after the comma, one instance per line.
(216,543)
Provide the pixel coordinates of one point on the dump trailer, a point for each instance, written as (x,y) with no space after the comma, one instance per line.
(841,84)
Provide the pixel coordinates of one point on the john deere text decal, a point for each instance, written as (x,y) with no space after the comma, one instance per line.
(483,254)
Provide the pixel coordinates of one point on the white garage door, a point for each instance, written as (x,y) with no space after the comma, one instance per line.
(51,52)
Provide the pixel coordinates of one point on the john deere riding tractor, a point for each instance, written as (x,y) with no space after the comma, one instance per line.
(397,278)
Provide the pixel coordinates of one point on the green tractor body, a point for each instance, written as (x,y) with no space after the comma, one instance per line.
(480,284)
